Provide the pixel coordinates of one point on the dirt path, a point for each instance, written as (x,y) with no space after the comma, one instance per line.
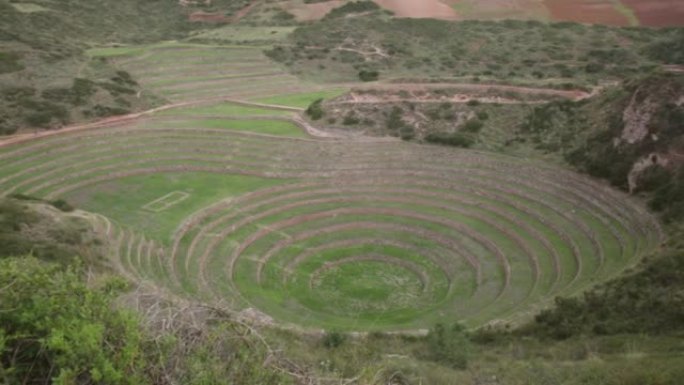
(244,11)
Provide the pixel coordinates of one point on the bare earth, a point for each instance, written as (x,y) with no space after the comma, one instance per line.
(419,9)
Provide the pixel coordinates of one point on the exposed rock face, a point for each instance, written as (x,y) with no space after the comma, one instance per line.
(652,128)
(637,117)
(186,3)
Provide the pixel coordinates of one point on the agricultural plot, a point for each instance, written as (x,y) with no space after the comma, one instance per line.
(181,72)
(350,234)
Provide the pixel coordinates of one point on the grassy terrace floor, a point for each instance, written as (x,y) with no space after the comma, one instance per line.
(183,71)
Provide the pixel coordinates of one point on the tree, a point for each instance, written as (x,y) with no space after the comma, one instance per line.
(315,110)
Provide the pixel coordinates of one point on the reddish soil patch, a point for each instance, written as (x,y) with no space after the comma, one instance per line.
(419,9)
(205,17)
(500,9)
(587,11)
(658,13)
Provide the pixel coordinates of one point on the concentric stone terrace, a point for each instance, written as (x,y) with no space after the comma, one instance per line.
(345,234)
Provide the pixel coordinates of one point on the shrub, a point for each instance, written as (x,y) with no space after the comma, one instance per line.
(456,140)
(593,68)
(473,125)
(369,76)
(449,345)
(653,178)
(394,120)
(62,205)
(332,340)
(61,331)
(315,110)
(350,119)
(407,132)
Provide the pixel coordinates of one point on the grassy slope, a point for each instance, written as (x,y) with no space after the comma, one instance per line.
(510,51)
(52,57)
(48,233)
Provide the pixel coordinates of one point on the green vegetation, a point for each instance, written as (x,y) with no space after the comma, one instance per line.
(223,109)
(632,129)
(506,51)
(267,127)
(604,151)
(9,62)
(351,8)
(368,76)
(202,188)
(51,60)
(668,49)
(449,345)
(314,110)
(456,139)
(29,225)
(61,330)
(301,100)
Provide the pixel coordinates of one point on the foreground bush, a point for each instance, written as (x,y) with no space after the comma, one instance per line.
(53,327)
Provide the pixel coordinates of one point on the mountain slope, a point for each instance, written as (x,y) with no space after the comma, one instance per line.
(631,135)
(47,80)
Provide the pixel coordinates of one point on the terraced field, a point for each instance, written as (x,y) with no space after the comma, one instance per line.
(183,72)
(238,207)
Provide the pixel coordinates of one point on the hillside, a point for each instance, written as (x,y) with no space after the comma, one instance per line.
(632,135)
(47,79)
(314,192)
(528,52)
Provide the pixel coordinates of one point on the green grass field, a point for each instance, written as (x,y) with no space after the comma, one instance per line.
(301,100)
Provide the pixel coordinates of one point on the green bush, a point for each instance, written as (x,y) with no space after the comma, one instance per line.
(649,301)
(407,132)
(394,121)
(62,205)
(61,331)
(315,110)
(457,139)
(449,345)
(473,125)
(369,76)
(332,340)
(653,178)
